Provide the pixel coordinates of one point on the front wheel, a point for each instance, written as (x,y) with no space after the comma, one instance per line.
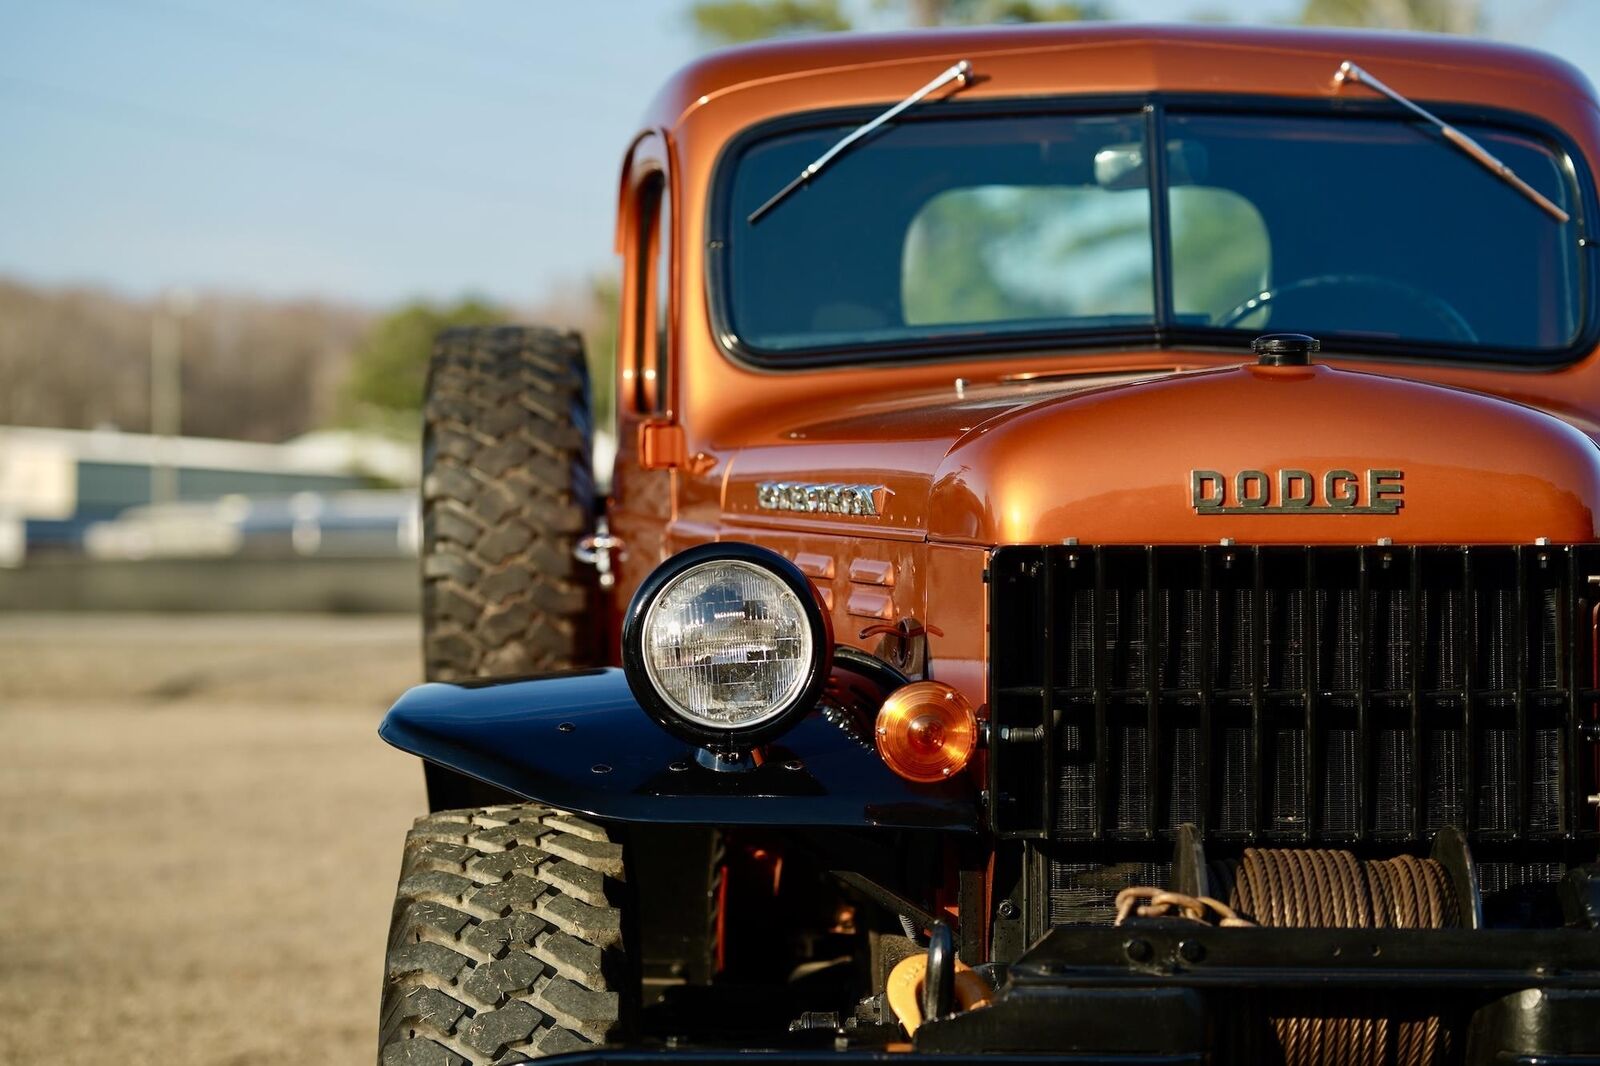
(506,942)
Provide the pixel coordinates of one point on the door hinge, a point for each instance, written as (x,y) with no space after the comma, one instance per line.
(602,551)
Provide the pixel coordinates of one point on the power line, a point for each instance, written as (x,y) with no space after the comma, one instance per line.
(443,36)
(411,71)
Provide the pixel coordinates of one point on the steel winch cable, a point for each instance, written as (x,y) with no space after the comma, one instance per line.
(1333,889)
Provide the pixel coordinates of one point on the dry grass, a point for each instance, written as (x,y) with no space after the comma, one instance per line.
(200,837)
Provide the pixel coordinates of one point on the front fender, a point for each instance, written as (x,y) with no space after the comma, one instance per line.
(581,742)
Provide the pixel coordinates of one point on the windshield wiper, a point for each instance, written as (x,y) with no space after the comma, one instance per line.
(1349,72)
(960,73)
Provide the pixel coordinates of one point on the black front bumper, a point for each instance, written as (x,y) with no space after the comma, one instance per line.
(1176,991)
(1159,991)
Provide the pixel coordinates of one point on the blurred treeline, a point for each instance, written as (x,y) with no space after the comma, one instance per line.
(262,369)
(732,21)
(252,368)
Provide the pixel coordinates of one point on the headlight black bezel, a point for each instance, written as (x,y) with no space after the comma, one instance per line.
(655,705)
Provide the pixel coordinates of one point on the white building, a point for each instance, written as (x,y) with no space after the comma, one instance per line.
(56,483)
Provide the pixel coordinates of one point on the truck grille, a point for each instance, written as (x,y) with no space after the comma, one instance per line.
(1292,694)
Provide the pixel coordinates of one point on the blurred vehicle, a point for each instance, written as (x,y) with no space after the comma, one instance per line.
(61,482)
(337,525)
(1100,566)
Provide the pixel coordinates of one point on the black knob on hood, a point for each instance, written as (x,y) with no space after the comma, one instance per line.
(1284,349)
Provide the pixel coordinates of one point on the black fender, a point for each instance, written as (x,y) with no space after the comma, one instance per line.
(581,742)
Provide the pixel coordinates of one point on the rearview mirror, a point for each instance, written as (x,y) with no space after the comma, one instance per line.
(1121,166)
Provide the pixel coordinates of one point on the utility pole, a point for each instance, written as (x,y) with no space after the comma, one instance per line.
(925,12)
(166,390)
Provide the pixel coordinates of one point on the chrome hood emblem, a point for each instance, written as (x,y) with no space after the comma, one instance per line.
(1297,492)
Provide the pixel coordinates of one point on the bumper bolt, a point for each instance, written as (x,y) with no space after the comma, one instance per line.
(1138,950)
(1191,950)
(1007,909)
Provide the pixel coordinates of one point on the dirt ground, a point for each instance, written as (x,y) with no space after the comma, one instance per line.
(199,835)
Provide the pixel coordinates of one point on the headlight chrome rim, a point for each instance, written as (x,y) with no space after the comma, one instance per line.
(660,685)
(802,696)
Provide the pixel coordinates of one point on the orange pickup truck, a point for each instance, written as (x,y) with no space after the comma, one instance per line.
(1101,565)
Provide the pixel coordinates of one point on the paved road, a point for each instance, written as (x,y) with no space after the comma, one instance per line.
(200,836)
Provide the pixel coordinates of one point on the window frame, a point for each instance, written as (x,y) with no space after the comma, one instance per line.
(1163,332)
(650,253)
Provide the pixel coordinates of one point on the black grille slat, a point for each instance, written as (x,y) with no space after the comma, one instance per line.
(1445,782)
(1467,635)
(1130,759)
(1441,702)
(1546,708)
(1357,759)
(1291,694)
(1287,701)
(1101,681)
(1393,778)
(1312,690)
(1208,637)
(1392,700)
(1235,775)
(1080,663)
(1496,751)
(1414,682)
(1077,801)
(1182,792)
(1521,754)
(1176,786)
(1152,697)
(1340,598)
(1579,678)
(1254,665)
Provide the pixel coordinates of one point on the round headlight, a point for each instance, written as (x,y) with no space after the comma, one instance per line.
(723,642)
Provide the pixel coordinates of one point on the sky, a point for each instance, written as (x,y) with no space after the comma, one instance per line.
(373,151)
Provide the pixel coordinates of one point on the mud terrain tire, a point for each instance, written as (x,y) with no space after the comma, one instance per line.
(507,492)
(506,941)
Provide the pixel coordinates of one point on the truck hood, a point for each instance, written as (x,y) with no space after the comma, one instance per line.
(1261,454)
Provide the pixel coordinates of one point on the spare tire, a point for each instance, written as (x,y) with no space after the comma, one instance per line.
(507,493)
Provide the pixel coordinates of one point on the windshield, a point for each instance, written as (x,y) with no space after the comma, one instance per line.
(1368,231)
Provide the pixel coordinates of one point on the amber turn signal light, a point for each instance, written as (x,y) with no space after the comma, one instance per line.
(926,731)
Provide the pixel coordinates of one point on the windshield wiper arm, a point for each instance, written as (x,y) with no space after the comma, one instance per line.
(960,73)
(1349,72)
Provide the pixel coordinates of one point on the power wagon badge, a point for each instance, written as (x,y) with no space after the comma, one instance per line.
(820,499)
(1297,492)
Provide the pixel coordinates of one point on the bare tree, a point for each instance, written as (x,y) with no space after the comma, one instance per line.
(251,368)
(736,21)
(1438,16)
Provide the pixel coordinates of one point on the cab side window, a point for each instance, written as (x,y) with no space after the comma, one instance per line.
(652,326)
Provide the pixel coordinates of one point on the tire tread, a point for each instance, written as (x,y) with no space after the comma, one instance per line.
(490,959)
(507,491)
